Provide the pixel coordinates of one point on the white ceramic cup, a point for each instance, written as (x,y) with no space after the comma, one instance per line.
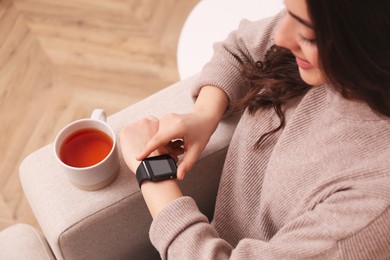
(100,174)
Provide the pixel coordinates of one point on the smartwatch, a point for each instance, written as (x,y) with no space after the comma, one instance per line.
(156,168)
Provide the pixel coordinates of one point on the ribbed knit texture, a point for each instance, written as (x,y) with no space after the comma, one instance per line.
(318,189)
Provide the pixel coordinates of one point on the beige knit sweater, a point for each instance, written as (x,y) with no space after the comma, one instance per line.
(318,189)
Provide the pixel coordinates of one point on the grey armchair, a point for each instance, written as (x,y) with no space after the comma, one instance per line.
(113,223)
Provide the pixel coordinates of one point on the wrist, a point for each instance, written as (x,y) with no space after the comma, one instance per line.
(158,195)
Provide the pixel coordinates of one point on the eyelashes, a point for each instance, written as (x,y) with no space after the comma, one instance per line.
(307,40)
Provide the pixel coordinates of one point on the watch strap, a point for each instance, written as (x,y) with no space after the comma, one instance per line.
(142,174)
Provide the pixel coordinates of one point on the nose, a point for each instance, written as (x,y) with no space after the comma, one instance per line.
(284,35)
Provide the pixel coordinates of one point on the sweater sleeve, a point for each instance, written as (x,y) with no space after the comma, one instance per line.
(246,44)
(350,222)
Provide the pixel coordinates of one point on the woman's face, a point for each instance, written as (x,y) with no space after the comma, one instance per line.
(296,34)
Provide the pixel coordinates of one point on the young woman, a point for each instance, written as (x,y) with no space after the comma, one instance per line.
(307,174)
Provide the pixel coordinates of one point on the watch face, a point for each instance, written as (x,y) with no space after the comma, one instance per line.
(161,167)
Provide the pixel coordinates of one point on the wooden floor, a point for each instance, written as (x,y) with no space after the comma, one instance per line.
(61,59)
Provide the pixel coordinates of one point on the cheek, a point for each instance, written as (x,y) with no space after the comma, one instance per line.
(314,60)
(311,55)
(314,76)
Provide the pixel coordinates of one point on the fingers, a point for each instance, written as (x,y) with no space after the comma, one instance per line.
(188,162)
(171,127)
(154,143)
(165,140)
(174,149)
(158,140)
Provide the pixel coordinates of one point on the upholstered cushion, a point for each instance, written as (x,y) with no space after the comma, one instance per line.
(22,241)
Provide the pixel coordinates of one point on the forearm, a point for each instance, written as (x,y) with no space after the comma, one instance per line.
(158,195)
(212,103)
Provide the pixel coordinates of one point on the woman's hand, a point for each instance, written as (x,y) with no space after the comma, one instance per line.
(194,129)
(134,137)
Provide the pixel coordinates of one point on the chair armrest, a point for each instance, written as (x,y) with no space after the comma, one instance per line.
(113,223)
(22,241)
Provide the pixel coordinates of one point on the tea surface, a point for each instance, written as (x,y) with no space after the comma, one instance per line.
(85,148)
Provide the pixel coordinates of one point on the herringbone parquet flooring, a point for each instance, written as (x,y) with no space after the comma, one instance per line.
(61,59)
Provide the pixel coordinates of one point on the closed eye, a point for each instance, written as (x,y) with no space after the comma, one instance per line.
(307,40)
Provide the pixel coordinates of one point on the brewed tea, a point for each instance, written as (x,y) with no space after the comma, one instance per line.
(85,147)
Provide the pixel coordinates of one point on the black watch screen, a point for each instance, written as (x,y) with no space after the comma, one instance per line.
(156,168)
(160,166)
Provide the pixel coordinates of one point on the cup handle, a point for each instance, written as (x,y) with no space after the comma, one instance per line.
(99,114)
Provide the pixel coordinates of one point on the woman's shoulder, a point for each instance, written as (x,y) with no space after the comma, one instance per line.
(349,131)
(352,109)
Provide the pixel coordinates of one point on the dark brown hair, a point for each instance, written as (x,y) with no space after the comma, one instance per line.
(353,48)
(273,82)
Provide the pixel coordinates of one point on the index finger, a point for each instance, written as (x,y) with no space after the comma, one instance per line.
(155,142)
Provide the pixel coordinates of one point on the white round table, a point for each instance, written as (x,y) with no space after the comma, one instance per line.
(211,21)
